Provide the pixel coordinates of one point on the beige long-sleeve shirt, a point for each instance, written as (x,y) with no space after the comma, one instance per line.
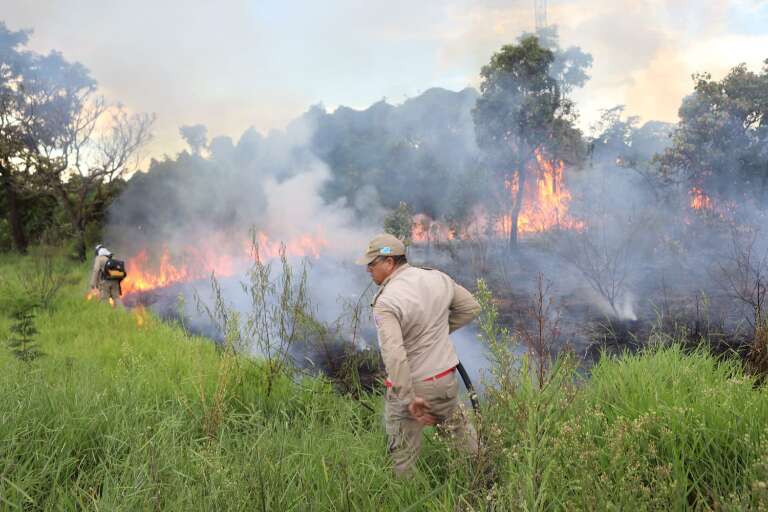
(98,268)
(415,309)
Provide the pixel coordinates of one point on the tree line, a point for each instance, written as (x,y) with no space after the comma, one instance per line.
(65,153)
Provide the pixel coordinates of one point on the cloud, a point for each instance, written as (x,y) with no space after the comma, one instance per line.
(239,63)
(644,52)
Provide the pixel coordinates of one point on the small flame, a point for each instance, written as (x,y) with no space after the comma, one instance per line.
(140,315)
(427,230)
(700,200)
(94,294)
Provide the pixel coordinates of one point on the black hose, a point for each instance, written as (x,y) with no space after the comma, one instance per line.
(470,388)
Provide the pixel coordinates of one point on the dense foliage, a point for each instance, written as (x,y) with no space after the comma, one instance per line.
(721,142)
(62,148)
(524,111)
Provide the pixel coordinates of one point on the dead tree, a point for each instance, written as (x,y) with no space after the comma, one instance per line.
(540,328)
(743,274)
(98,144)
(604,254)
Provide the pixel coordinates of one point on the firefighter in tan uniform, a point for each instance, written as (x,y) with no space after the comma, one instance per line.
(415,309)
(107,289)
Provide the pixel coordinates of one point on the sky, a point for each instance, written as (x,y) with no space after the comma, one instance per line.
(233,64)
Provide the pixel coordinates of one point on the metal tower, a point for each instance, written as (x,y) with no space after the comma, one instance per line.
(540,12)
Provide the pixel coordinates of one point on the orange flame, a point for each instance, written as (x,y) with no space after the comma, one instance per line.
(700,200)
(544,207)
(545,203)
(427,230)
(205,258)
(94,293)
(140,315)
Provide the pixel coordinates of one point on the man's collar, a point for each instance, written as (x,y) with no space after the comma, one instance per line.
(394,273)
(389,278)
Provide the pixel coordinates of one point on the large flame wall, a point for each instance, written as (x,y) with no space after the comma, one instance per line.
(147,270)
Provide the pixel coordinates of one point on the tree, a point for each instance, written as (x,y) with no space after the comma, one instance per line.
(93,145)
(618,145)
(421,152)
(570,65)
(58,138)
(36,97)
(14,116)
(196,136)
(720,145)
(606,253)
(22,342)
(81,165)
(399,223)
(523,110)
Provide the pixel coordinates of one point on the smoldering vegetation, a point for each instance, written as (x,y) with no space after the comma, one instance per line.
(326,178)
(655,233)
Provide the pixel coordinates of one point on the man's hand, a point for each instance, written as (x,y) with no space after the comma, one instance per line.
(419,409)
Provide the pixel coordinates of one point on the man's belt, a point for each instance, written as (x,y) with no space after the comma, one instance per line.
(440,375)
(464,376)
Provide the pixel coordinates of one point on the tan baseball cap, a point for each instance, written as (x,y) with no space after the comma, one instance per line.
(381,245)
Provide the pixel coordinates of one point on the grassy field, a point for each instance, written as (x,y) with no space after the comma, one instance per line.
(124,412)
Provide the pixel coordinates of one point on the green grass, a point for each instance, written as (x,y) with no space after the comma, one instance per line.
(666,429)
(117,416)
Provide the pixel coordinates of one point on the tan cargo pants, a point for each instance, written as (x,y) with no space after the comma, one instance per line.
(110,290)
(404,432)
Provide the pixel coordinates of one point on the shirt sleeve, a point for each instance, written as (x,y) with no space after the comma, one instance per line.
(393,352)
(464,308)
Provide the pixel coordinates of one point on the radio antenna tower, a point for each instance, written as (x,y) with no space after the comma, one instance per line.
(540,11)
